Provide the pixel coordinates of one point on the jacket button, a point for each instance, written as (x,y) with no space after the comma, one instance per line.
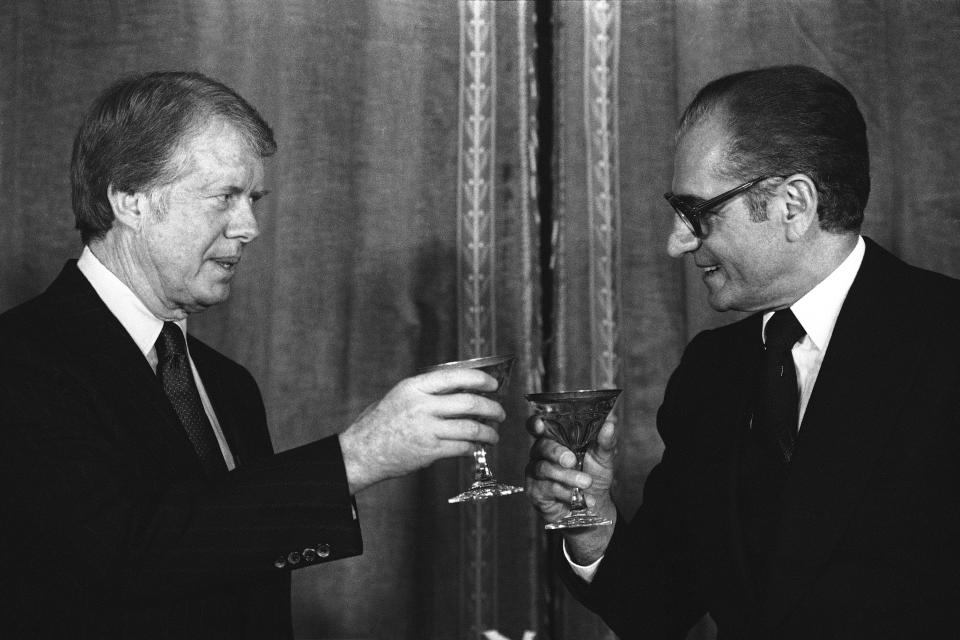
(280,562)
(323,550)
(309,555)
(294,557)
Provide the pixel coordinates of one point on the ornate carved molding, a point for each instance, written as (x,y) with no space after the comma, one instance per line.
(475,204)
(476,286)
(601,46)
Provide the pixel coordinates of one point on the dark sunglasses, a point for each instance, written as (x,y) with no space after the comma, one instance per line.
(691,214)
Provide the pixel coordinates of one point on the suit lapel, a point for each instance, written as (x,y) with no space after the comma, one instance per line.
(223,400)
(115,366)
(729,393)
(739,422)
(872,353)
(748,349)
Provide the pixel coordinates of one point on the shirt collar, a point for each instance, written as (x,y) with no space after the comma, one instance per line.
(143,326)
(818,309)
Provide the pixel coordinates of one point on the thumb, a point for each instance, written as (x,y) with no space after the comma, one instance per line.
(606,447)
(535,426)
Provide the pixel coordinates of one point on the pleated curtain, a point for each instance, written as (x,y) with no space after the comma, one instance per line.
(457,179)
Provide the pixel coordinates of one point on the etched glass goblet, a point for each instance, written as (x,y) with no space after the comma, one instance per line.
(574,418)
(484,484)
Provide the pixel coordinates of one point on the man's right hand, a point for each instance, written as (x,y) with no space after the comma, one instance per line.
(422,419)
(552,475)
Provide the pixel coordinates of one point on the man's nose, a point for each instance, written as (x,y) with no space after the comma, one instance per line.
(243,223)
(681,240)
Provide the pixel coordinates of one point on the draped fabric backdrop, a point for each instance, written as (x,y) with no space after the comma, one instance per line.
(458,179)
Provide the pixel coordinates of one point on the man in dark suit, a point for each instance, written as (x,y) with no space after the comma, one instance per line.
(809,486)
(142,496)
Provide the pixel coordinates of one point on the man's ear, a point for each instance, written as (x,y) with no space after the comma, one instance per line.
(129,208)
(800,201)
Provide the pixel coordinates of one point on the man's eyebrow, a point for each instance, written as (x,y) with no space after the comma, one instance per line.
(256,194)
(689,199)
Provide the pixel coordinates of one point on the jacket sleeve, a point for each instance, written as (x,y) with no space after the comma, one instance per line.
(92,514)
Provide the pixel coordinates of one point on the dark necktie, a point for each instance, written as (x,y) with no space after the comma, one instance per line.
(778,404)
(173,370)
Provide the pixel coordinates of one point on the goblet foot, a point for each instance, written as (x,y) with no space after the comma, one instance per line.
(578,519)
(482,490)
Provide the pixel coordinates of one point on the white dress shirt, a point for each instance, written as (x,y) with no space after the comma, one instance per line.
(817,312)
(144,328)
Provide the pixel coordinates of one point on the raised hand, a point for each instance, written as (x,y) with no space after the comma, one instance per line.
(420,420)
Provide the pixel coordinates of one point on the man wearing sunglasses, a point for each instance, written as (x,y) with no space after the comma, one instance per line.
(809,486)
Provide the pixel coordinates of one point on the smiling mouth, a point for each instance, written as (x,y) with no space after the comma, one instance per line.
(708,270)
(227,264)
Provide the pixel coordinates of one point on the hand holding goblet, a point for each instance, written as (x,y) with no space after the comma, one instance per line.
(422,419)
(484,484)
(571,421)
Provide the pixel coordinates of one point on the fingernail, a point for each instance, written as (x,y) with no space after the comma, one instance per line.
(568,459)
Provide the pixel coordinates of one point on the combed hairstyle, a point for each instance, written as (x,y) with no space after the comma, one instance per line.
(130,135)
(792,119)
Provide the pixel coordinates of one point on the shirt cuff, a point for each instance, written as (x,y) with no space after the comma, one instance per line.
(585,573)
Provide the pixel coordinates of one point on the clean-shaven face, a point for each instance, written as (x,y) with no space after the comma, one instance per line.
(741,261)
(190,247)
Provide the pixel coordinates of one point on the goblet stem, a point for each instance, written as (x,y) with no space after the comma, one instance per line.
(481,471)
(578,503)
(484,484)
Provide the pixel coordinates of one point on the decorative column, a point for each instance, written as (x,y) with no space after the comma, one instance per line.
(600,68)
(475,205)
(475,277)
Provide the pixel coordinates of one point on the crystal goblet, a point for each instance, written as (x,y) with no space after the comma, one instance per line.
(574,418)
(484,484)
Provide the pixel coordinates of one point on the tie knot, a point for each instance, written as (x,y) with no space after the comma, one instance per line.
(170,344)
(783,330)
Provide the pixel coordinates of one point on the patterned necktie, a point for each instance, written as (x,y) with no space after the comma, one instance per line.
(778,405)
(176,377)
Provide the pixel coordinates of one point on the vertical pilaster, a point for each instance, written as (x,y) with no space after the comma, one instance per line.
(476,237)
(600,68)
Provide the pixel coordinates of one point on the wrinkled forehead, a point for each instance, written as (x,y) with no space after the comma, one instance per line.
(218,148)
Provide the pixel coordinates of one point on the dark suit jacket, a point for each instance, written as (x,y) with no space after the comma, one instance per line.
(868,541)
(109,527)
